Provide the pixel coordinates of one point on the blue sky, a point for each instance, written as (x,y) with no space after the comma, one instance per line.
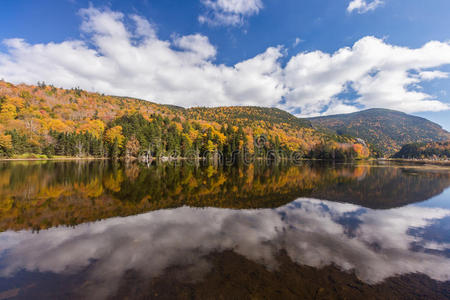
(236,52)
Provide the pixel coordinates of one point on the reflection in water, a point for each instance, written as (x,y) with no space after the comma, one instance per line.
(41,195)
(374,244)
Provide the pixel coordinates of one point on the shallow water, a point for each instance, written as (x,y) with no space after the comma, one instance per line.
(99,230)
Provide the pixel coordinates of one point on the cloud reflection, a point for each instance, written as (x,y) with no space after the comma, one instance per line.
(376,244)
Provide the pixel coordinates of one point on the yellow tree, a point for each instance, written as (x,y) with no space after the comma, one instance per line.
(5,141)
(94,127)
(210,147)
(8,112)
(17,102)
(56,125)
(115,133)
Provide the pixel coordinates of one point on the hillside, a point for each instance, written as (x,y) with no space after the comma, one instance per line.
(388,130)
(49,121)
(433,150)
(244,115)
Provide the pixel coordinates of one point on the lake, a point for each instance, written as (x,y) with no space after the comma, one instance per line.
(193,230)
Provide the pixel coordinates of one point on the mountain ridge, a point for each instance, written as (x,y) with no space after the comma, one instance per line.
(386,129)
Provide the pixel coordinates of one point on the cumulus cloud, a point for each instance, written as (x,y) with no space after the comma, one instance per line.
(377,72)
(362,6)
(196,43)
(123,55)
(137,63)
(229,12)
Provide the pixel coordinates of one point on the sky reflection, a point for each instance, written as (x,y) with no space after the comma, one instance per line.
(376,244)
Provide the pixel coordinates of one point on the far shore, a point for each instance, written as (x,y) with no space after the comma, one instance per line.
(68,158)
(419,161)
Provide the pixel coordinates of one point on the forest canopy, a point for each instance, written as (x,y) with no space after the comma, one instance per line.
(45,121)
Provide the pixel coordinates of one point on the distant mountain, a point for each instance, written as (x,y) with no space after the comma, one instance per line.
(387,130)
(425,150)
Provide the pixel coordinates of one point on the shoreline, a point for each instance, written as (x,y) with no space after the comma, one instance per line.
(398,160)
(418,161)
(53,158)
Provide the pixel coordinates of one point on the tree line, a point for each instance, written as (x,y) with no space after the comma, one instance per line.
(132,136)
(45,121)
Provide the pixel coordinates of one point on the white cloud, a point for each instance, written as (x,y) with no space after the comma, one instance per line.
(196,43)
(130,60)
(378,73)
(137,63)
(339,107)
(430,75)
(297,41)
(229,12)
(361,6)
(143,27)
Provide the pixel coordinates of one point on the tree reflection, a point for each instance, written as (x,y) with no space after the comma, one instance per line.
(40,195)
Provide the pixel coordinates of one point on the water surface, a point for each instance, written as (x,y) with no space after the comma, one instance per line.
(102,230)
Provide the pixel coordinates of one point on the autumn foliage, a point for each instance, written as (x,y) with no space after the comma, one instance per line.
(50,121)
(435,150)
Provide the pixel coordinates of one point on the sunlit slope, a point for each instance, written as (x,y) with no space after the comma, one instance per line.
(386,129)
(31,117)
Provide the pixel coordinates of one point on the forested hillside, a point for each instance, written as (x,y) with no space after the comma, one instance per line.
(47,121)
(388,130)
(245,115)
(434,150)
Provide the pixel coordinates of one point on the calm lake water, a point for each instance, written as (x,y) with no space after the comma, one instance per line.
(104,230)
